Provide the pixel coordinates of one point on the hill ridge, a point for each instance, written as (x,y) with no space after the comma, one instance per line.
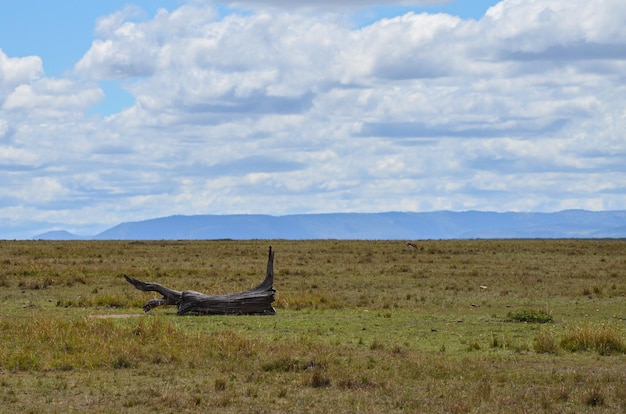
(385,225)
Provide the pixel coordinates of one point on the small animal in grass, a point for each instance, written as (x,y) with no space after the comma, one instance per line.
(410,245)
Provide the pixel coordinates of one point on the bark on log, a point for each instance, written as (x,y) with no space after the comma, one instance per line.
(255,301)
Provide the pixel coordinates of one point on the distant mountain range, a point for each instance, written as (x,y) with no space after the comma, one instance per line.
(370,226)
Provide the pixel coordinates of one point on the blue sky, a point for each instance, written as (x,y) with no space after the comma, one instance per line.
(114,111)
(61,32)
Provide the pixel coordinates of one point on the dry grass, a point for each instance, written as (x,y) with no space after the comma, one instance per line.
(362,326)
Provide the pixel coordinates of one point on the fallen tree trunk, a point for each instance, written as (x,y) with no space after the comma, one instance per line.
(255,301)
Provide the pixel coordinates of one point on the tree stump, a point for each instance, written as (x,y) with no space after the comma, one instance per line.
(255,301)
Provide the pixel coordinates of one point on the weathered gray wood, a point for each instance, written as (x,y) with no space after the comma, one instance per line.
(255,301)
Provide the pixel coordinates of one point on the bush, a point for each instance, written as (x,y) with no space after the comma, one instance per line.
(530,316)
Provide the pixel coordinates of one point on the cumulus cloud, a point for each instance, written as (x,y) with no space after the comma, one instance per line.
(17,71)
(282,110)
(57,95)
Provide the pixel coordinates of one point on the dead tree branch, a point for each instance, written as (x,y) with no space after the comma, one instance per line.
(255,301)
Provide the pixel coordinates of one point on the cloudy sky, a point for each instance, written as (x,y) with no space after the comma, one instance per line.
(122,110)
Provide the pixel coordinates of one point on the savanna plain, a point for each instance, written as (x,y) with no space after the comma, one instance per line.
(455,326)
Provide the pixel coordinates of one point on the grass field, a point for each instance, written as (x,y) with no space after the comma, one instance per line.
(485,326)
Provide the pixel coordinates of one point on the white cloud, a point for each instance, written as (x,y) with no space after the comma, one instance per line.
(17,157)
(17,71)
(328,4)
(555,23)
(56,95)
(276,111)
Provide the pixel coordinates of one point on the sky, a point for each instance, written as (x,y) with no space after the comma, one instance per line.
(114,111)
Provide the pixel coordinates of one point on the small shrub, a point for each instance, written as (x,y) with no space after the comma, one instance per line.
(594,398)
(220,384)
(319,380)
(530,316)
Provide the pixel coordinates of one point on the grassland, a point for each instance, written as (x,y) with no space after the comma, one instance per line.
(484,326)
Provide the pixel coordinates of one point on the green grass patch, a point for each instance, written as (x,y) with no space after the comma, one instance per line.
(605,340)
(361,326)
